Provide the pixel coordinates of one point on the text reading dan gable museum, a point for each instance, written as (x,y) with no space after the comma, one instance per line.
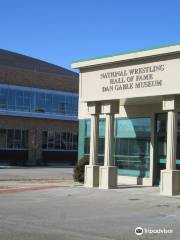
(132,78)
(136,80)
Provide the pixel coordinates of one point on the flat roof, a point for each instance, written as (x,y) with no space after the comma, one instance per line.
(173,48)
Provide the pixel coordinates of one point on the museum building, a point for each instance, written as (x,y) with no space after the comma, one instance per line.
(129,119)
(38,112)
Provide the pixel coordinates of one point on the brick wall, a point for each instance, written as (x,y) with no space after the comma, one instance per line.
(35,128)
(26,71)
(45,80)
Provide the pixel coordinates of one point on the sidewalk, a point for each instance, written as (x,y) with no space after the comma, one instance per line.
(26,173)
(20,179)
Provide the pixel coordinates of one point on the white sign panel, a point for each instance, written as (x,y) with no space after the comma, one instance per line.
(152,79)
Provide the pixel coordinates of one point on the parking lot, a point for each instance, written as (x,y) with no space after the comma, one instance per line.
(72,212)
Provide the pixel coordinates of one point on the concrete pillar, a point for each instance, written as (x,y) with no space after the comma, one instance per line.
(92,170)
(94,139)
(109,140)
(152,175)
(171,140)
(108,172)
(170,177)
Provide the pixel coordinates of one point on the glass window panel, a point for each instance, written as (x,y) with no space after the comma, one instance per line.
(55,103)
(74,105)
(3,138)
(12,99)
(61,104)
(57,140)
(17,138)
(49,99)
(75,141)
(13,138)
(71,141)
(41,98)
(132,146)
(40,102)
(101,145)
(161,136)
(27,101)
(48,104)
(36,101)
(3,98)
(24,139)
(132,128)
(178,139)
(68,144)
(3,91)
(87,128)
(122,146)
(44,139)
(63,141)
(10,138)
(87,145)
(68,104)
(102,127)
(51,140)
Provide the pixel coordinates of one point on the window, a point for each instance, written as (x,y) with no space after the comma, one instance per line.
(51,140)
(69,143)
(3,98)
(35,101)
(162,139)
(132,146)
(56,140)
(3,138)
(75,141)
(17,139)
(13,139)
(178,141)
(44,139)
(63,141)
(10,137)
(100,142)
(87,137)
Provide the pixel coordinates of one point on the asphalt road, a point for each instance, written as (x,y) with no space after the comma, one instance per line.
(36,173)
(78,213)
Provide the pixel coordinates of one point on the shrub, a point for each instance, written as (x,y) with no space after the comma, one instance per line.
(80,168)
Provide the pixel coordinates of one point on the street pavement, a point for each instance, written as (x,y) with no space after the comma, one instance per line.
(79,213)
(17,173)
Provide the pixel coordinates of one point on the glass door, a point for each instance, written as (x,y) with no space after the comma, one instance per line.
(178,143)
(160,146)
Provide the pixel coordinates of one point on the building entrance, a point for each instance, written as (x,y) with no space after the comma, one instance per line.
(160,146)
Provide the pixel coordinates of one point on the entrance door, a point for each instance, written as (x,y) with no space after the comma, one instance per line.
(160,145)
